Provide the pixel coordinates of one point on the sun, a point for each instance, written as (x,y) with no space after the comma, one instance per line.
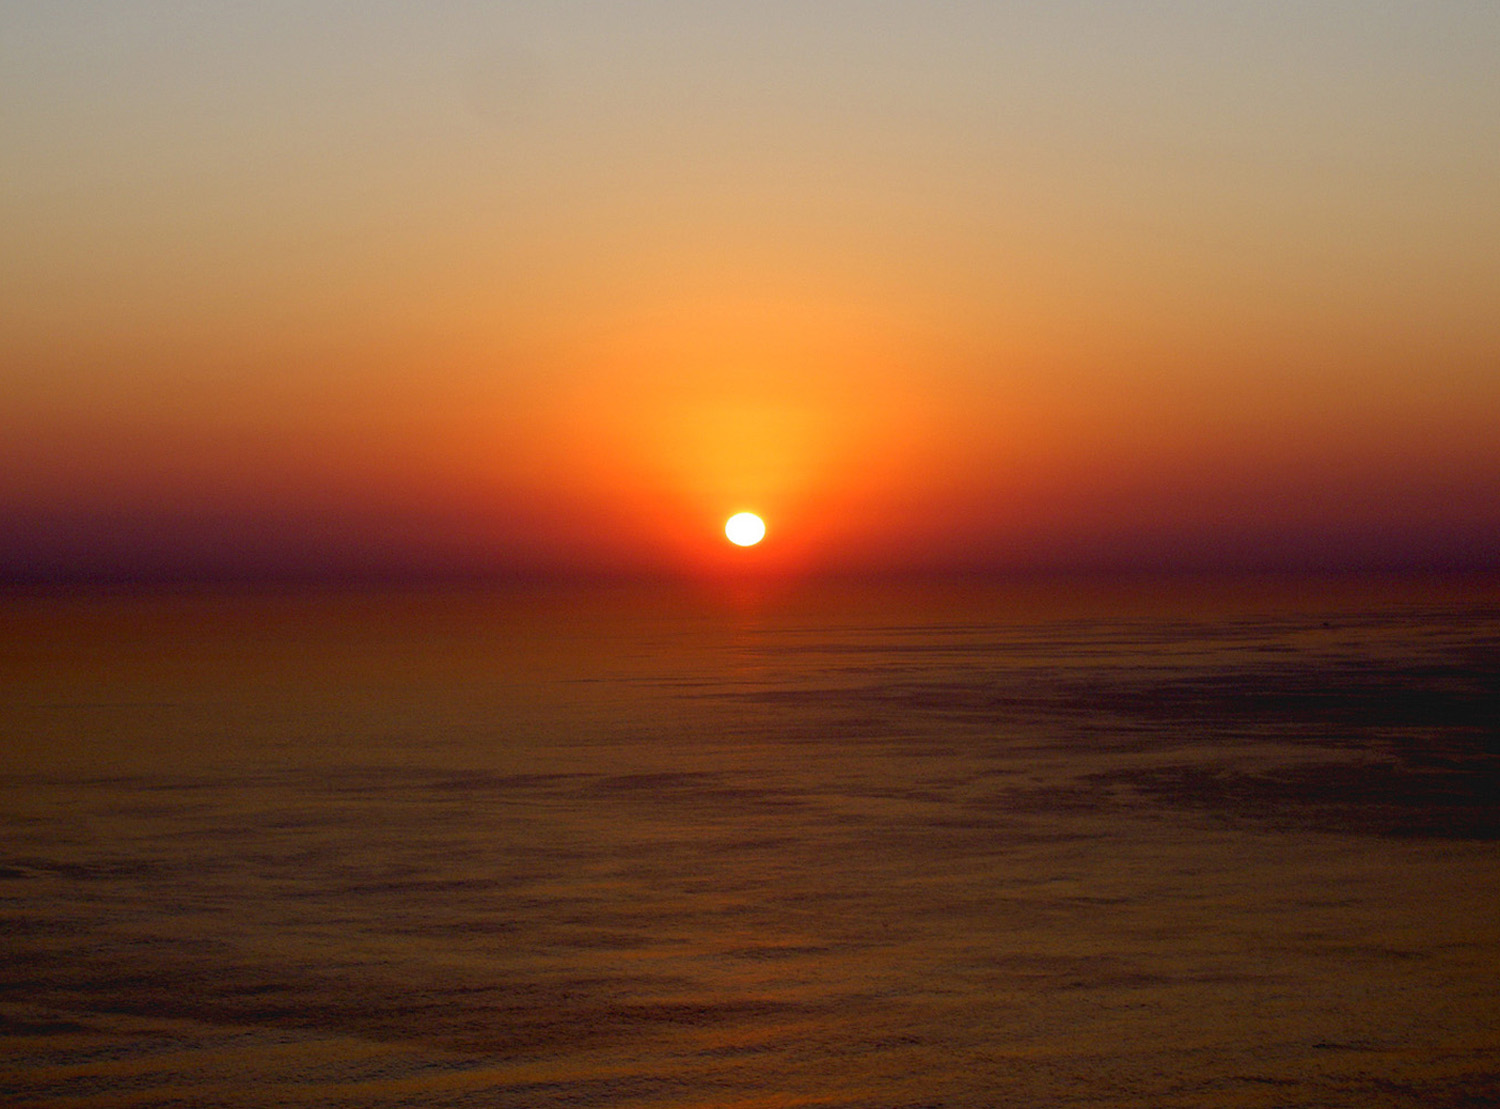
(745,529)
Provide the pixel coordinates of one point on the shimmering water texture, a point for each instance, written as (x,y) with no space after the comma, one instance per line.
(890,850)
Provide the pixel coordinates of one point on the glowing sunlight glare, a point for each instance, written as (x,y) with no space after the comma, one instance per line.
(745,529)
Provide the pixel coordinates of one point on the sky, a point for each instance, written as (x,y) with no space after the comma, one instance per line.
(554,288)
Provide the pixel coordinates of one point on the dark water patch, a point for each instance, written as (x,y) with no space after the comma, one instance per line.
(656,783)
(39,1025)
(543,1014)
(1357,696)
(103,870)
(740,1050)
(476,781)
(1442,720)
(748,844)
(1038,965)
(1088,796)
(777,952)
(698,789)
(423,885)
(430,928)
(118,1087)
(1378,671)
(565,1025)
(1461,802)
(600,940)
(1010,831)
(1350,1045)
(33,926)
(416,781)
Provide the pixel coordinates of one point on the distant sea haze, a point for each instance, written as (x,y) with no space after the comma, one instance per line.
(866,847)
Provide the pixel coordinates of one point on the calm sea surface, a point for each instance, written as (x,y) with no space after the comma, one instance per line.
(893,847)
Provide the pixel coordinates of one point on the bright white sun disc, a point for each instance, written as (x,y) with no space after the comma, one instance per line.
(745,529)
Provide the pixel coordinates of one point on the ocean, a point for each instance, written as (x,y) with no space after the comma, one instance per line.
(885,845)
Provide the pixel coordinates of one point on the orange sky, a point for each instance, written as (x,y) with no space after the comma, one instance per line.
(558,287)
